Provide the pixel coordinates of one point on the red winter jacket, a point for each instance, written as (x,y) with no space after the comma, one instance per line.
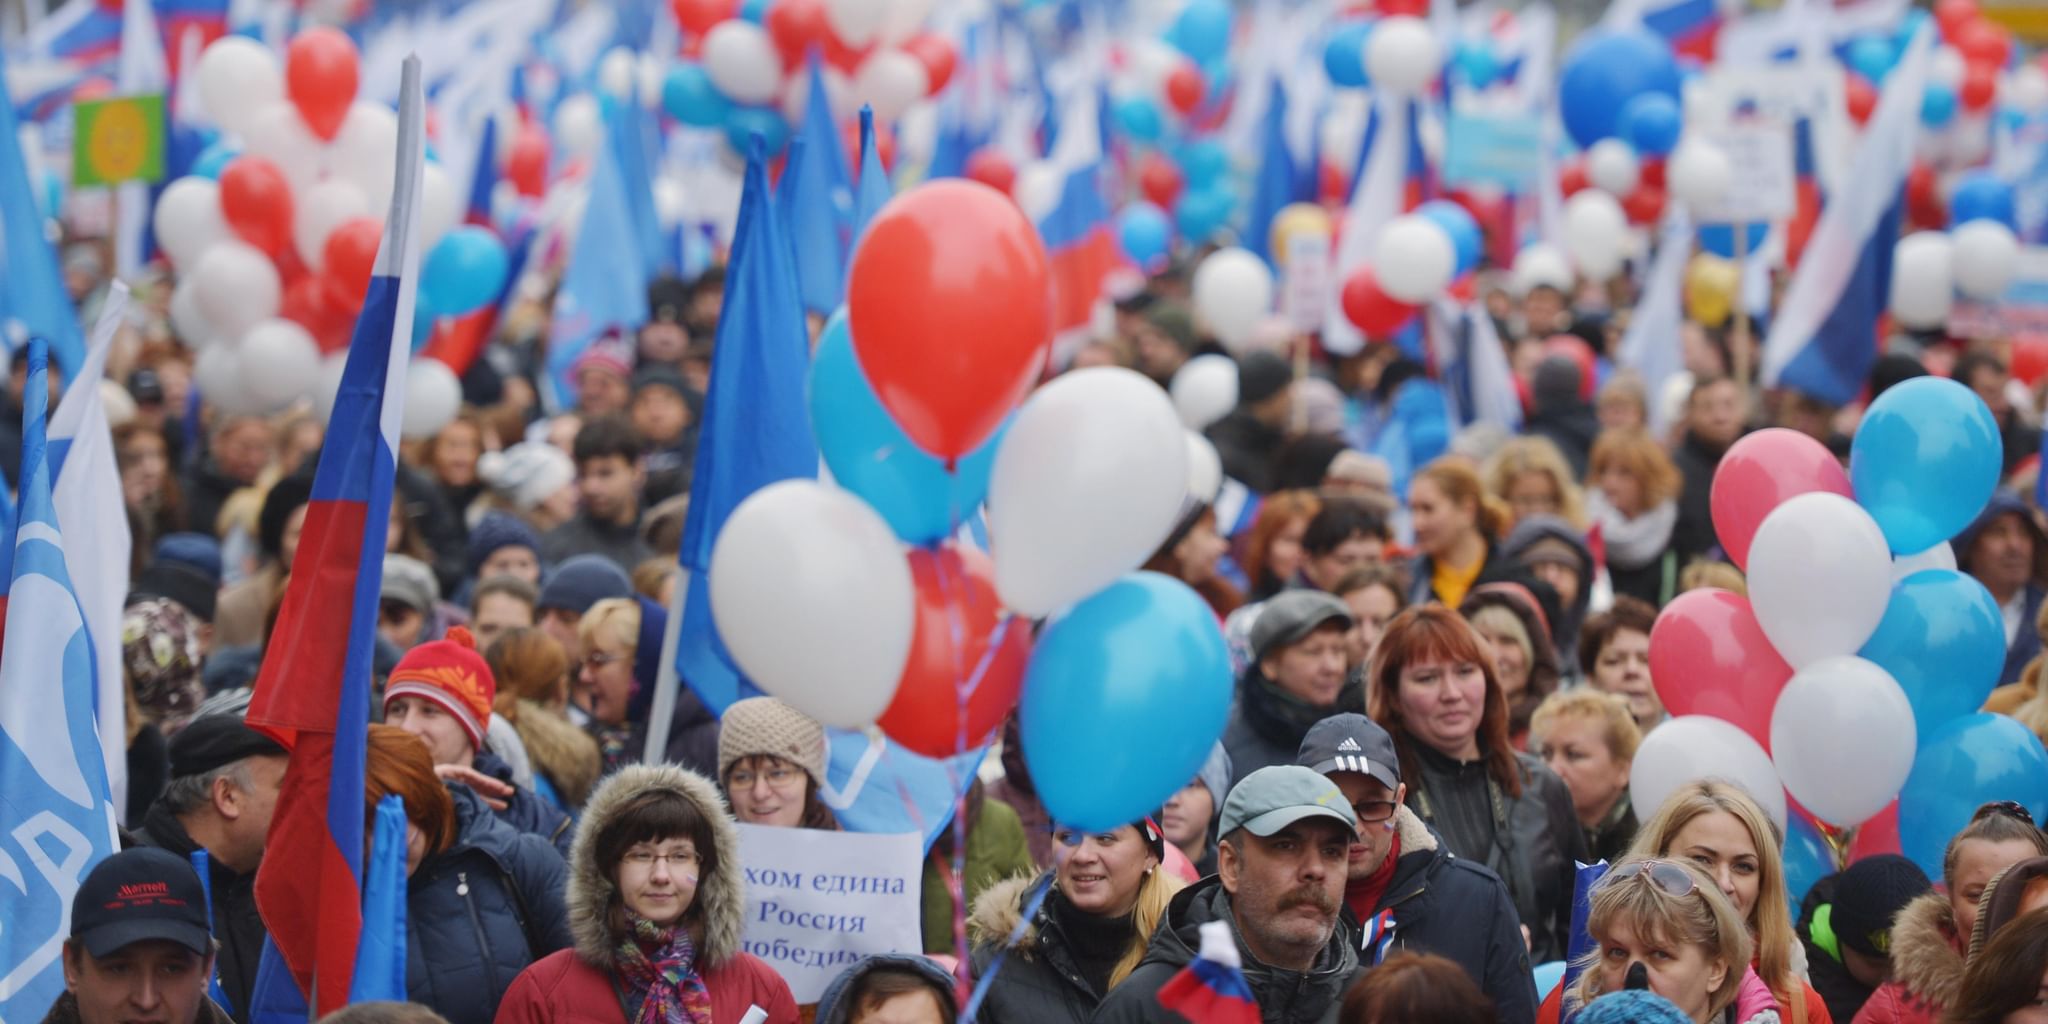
(560,989)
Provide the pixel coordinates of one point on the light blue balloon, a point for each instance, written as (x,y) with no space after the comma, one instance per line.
(465,271)
(1203,30)
(1872,57)
(423,317)
(742,123)
(1123,698)
(1204,163)
(872,457)
(1604,70)
(1943,638)
(1344,55)
(1924,461)
(1719,239)
(1457,222)
(1144,234)
(1652,123)
(1139,118)
(1937,105)
(688,96)
(1475,63)
(755,11)
(214,159)
(1972,761)
(1980,195)
(1807,859)
(1200,213)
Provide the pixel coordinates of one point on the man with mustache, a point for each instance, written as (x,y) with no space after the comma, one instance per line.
(1279,883)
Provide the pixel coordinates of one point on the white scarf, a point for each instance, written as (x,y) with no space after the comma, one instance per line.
(1632,543)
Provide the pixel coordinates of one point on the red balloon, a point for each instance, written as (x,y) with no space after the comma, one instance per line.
(1708,656)
(1371,309)
(306,304)
(257,202)
(844,57)
(796,26)
(1572,179)
(1650,171)
(1762,471)
(1982,42)
(1184,87)
(959,617)
(526,166)
(1645,205)
(2029,359)
(1980,86)
(1574,348)
(990,167)
(1411,8)
(349,256)
(1880,834)
(1159,179)
(320,68)
(698,16)
(1330,184)
(1952,15)
(1860,96)
(1924,205)
(1805,217)
(949,301)
(938,57)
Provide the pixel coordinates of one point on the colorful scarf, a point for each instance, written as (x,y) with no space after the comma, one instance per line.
(659,966)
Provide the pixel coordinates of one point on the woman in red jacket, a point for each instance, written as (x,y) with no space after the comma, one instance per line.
(655,904)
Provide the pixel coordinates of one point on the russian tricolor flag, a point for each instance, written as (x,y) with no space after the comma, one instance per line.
(313,693)
(1076,225)
(1211,988)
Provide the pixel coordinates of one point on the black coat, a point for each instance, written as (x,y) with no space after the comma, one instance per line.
(1694,535)
(479,912)
(206,490)
(1040,980)
(1247,449)
(525,810)
(1285,997)
(236,924)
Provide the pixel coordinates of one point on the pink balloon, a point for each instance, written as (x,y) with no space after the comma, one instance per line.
(1759,473)
(1708,656)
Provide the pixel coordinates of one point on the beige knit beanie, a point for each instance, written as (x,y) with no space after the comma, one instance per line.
(764,725)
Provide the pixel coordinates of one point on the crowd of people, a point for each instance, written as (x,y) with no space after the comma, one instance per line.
(1443,677)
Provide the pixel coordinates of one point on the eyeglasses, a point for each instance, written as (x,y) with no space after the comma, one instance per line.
(2008,808)
(778,778)
(1373,810)
(673,858)
(1667,876)
(599,659)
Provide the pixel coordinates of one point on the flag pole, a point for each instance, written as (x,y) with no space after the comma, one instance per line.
(1738,351)
(667,679)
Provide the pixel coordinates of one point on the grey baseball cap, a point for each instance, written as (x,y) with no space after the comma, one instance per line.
(1292,615)
(1351,742)
(1275,797)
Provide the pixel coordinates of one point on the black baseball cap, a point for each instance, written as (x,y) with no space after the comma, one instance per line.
(140,895)
(1351,742)
(214,741)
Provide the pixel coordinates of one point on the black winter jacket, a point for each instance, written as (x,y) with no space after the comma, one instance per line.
(525,810)
(236,924)
(1041,980)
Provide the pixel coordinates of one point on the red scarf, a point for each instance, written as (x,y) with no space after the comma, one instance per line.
(1363,896)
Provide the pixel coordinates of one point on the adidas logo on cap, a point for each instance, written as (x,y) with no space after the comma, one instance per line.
(1348,746)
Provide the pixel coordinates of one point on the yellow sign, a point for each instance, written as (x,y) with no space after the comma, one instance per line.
(118,140)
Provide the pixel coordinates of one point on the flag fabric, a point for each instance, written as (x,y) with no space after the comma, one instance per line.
(873,190)
(380,956)
(81,31)
(143,71)
(1824,338)
(31,290)
(1274,187)
(628,126)
(200,21)
(605,285)
(1378,197)
(484,180)
(81,461)
(1472,366)
(873,784)
(56,815)
(817,203)
(1211,988)
(313,692)
(1652,345)
(1377,936)
(1080,242)
(756,425)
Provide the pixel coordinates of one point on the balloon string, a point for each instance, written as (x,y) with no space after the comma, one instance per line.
(950,594)
(1034,898)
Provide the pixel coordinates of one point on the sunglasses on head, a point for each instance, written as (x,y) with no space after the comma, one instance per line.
(2008,808)
(1667,876)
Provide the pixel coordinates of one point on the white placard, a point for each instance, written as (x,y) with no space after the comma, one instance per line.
(819,901)
(1305,282)
(1764,186)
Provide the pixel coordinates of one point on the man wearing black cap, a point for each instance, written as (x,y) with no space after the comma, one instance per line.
(1404,889)
(1846,924)
(139,948)
(224,785)
(1250,437)
(1299,675)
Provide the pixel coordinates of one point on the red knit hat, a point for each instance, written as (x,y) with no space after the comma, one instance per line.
(450,673)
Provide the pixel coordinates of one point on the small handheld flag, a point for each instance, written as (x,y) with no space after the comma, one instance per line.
(1212,988)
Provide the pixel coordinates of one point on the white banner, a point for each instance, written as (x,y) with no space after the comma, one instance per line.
(819,901)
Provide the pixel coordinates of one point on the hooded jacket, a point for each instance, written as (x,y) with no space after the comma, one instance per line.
(1564,629)
(2027,642)
(524,810)
(2001,901)
(1927,966)
(1266,723)
(1561,414)
(561,753)
(1040,979)
(479,912)
(836,1005)
(576,985)
(236,924)
(1285,997)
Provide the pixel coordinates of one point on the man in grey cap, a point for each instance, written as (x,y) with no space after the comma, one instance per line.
(1299,675)
(1279,884)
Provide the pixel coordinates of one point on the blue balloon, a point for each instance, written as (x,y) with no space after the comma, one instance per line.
(1924,461)
(1466,237)
(872,457)
(1475,63)
(1937,105)
(1719,239)
(1943,638)
(214,159)
(1200,213)
(1344,54)
(1808,859)
(1652,123)
(423,317)
(1203,30)
(755,11)
(1204,162)
(742,123)
(1980,195)
(688,96)
(1872,57)
(465,271)
(1145,649)
(1144,234)
(1140,118)
(1972,761)
(1605,70)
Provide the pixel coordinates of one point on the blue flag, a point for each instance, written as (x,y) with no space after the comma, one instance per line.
(873,784)
(756,424)
(628,126)
(380,953)
(31,291)
(1274,188)
(605,285)
(874,181)
(817,203)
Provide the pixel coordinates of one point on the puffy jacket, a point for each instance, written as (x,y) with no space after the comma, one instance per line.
(524,810)
(576,985)
(1458,910)
(1040,980)
(836,1005)
(1285,997)
(236,924)
(1266,723)
(479,912)
(1927,966)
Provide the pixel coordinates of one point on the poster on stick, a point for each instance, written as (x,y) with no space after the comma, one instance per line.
(819,901)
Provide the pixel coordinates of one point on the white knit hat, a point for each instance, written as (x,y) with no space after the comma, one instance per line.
(527,473)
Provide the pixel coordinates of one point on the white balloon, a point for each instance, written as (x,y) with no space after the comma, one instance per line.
(1414,259)
(1940,556)
(238,76)
(856,22)
(217,373)
(189,324)
(1204,390)
(788,564)
(1923,290)
(579,125)
(277,133)
(1820,574)
(235,287)
(1986,253)
(1150,62)
(796,94)
(1839,736)
(440,207)
(328,385)
(1541,266)
(1947,67)
(903,19)
(890,81)
(742,61)
(1694,748)
(433,396)
(318,211)
(671,201)
(1038,187)
(1233,291)
(188,220)
(1403,56)
(1205,469)
(365,152)
(1596,233)
(651,73)
(2026,89)
(1698,173)
(280,364)
(616,73)
(1612,165)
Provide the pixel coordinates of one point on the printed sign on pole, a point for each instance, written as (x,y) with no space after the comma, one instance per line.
(818,901)
(117,140)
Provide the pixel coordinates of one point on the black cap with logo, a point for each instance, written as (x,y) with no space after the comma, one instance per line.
(140,895)
(1351,742)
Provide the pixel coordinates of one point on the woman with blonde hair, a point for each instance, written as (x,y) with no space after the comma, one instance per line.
(1530,474)
(1661,924)
(2025,698)
(1102,900)
(1458,527)
(533,694)
(1634,505)
(1589,739)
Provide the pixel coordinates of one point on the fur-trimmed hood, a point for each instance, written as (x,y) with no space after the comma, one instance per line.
(721,896)
(1927,957)
(568,756)
(996,915)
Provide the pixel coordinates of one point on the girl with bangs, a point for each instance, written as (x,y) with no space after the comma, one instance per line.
(1662,925)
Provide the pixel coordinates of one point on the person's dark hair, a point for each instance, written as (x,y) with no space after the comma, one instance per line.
(284,497)
(1700,386)
(1993,823)
(606,436)
(1409,987)
(1432,632)
(882,984)
(1969,364)
(2006,975)
(510,586)
(384,1013)
(1302,463)
(1339,520)
(653,816)
(1627,613)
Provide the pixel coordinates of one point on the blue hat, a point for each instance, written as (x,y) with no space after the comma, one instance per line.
(583,581)
(195,550)
(499,530)
(1637,1006)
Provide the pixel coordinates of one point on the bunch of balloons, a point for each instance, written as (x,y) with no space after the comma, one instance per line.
(1417,257)
(1851,674)
(1976,258)
(918,396)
